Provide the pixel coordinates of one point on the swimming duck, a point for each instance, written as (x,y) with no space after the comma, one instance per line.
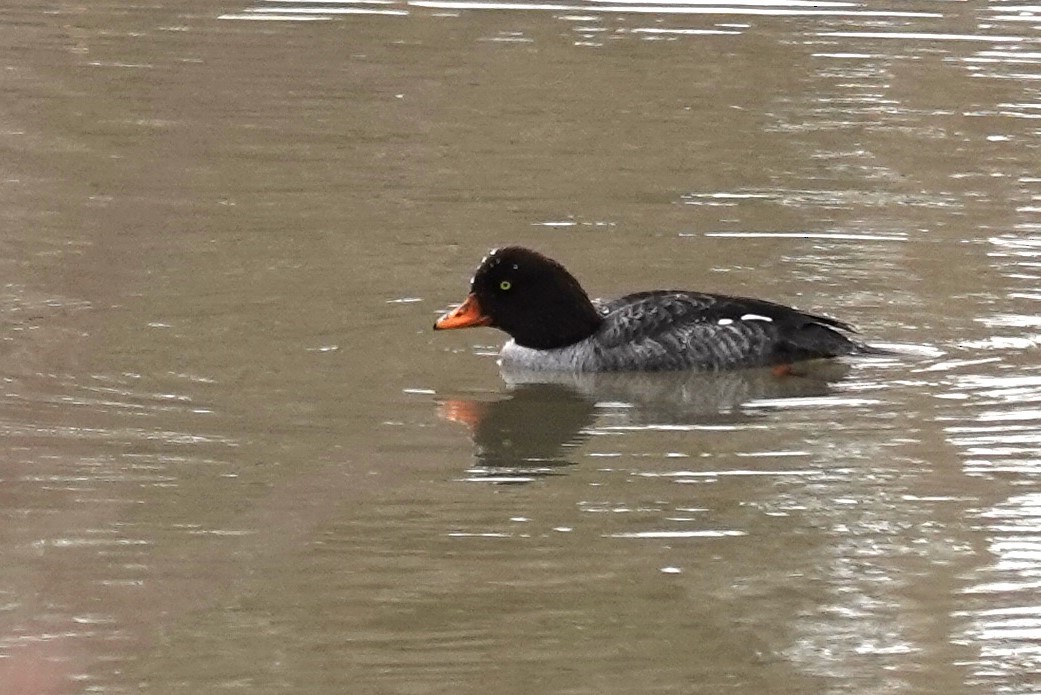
(554,326)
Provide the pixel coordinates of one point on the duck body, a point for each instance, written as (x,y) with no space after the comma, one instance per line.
(670,330)
(554,325)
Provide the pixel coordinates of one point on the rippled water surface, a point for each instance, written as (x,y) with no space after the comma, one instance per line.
(236,458)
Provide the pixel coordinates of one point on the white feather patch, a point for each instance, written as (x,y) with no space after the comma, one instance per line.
(756,317)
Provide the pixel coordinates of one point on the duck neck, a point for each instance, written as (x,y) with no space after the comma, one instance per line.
(560,323)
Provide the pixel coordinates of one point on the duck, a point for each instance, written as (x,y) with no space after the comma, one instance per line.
(555,327)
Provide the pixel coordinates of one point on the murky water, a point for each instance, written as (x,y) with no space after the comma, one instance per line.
(235,457)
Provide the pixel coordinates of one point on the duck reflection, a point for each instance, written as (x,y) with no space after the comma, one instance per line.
(533,431)
(528,434)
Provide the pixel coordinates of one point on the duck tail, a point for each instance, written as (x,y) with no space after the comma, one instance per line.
(872,350)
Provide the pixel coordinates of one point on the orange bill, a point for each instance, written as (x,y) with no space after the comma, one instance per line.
(466,315)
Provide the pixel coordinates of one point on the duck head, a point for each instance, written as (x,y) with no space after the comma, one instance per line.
(529,296)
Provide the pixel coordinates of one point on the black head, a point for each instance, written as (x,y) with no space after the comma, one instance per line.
(533,298)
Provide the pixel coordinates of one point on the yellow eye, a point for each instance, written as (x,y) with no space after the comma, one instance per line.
(505,285)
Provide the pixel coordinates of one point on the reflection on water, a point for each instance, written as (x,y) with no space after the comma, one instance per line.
(547,415)
(1010,634)
(226,459)
(587,12)
(996,433)
(524,435)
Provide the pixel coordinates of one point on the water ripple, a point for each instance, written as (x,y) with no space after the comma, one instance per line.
(1009,634)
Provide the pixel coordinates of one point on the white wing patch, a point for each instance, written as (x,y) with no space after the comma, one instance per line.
(756,317)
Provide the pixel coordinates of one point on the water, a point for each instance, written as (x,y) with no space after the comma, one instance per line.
(235,456)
